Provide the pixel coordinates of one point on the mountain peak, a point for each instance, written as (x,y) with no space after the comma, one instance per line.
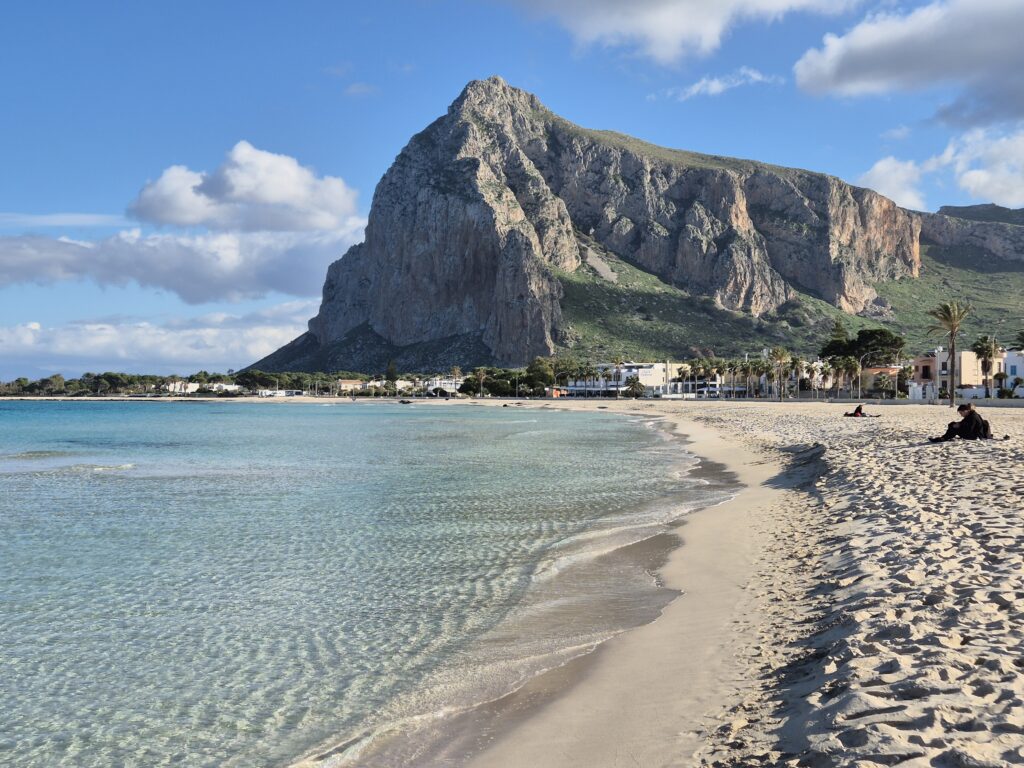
(494,98)
(478,226)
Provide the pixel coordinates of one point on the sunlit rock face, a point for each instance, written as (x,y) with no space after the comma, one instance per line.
(479,213)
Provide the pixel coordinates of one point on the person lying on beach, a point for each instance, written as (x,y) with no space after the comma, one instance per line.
(859,412)
(970,427)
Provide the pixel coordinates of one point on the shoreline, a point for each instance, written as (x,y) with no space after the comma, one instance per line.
(458,738)
(858,603)
(644,696)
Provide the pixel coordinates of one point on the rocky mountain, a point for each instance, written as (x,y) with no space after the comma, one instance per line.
(489,216)
(990,235)
(986,212)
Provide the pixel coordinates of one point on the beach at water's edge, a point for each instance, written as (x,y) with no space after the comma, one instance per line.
(859,603)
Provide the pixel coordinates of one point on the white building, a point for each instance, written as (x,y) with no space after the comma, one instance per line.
(449,384)
(181,387)
(656,378)
(1013,364)
(279,393)
(400,384)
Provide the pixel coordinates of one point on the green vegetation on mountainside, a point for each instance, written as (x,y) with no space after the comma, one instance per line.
(641,317)
(987,212)
(679,158)
(993,286)
(644,318)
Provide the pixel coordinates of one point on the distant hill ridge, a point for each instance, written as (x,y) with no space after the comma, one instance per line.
(986,212)
(491,237)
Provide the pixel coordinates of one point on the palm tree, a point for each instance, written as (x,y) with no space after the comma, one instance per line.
(1001,378)
(617,362)
(684,373)
(828,374)
(882,382)
(987,349)
(729,367)
(769,372)
(737,368)
(481,374)
(589,375)
(701,370)
(949,318)
(780,358)
(851,369)
(1020,339)
(798,367)
(759,368)
(634,388)
(905,375)
(744,369)
(715,367)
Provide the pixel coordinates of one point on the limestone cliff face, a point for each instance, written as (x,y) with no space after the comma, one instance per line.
(471,225)
(1003,240)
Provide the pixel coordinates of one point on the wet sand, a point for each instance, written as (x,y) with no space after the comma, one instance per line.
(859,604)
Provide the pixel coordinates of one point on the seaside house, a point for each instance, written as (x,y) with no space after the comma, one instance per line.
(181,387)
(933,368)
(872,377)
(612,378)
(1013,365)
(349,385)
(449,385)
(656,378)
(400,384)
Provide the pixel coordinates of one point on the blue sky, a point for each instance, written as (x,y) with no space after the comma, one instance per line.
(139,139)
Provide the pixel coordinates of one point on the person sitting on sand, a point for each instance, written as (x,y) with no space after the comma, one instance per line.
(970,427)
(858,412)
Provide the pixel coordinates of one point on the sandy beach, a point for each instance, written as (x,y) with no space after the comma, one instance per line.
(859,604)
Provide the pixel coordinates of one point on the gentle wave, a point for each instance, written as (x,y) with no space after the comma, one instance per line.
(269,579)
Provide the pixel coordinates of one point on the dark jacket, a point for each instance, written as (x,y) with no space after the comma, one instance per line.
(972,427)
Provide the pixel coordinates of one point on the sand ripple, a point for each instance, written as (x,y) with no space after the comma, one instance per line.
(892,596)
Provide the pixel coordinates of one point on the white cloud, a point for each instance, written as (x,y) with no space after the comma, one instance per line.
(899,133)
(261,222)
(973,45)
(986,164)
(898,180)
(34,220)
(252,190)
(714,86)
(667,30)
(197,267)
(989,166)
(342,69)
(184,345)
(360,89)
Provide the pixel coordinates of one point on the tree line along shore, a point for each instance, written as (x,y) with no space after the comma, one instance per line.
(776,372)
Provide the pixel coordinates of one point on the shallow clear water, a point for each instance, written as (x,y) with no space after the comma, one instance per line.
(235,584)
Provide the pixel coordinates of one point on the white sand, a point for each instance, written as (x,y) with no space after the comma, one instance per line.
(644,697)
(870,617)
(861,608)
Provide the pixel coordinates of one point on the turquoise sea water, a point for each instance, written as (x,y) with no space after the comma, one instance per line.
(207,584)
